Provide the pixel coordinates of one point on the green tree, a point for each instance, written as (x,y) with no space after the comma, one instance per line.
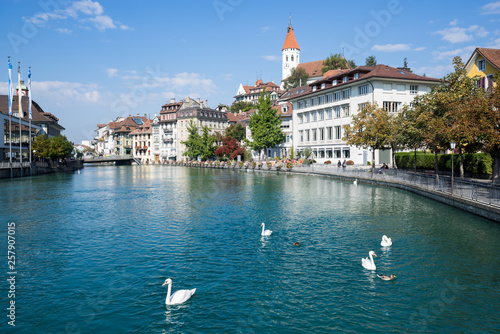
(298,78)
(265,125)
(241,106)
(207,144)
(41,146)
(371,61)
(370,128)
(193,143)
(53,148)
(335,62)
(236,131)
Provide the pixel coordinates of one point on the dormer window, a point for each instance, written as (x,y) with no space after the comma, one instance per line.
(344,79)
(356,76)
(481,65)
(323,85)
(314,88)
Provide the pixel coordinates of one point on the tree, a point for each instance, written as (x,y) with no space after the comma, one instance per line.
(370,128)
(207,144)
(241,106)
(335,62)
(53,148)
(298,78)
(236,131)
(265,125)
(405,65)
(371,61)
(230,149)
(193,143)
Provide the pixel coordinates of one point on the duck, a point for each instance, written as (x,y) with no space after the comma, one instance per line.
(386,277)
(264,231)
(385,241)
(368,262)
(296,243)
(177,297)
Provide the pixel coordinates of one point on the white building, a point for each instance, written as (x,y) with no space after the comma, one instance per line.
(320,109)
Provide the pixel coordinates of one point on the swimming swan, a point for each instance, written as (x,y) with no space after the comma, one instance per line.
(386,277)
(368,263)
(385,241)
(265,232)
(178,297)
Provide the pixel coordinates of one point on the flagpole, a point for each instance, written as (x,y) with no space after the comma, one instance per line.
(20,95)
(10,119)
(30,117)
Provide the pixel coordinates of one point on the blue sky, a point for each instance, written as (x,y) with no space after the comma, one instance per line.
(92,61)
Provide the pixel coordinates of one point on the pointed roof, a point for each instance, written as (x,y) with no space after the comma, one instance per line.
(290,41)
(492,55)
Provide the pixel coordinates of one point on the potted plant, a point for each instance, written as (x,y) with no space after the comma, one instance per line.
(289,166)
(277,165)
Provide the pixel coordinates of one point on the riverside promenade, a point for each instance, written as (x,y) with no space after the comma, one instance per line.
(476,196)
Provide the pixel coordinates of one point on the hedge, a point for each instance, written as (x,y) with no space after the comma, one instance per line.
(474,163)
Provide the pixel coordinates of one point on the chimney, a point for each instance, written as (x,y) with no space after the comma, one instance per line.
(172,100)
(198,100)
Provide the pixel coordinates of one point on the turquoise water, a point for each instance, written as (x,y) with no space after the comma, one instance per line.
(93,249)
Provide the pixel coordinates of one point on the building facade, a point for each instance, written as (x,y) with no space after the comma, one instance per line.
(484,63)
(322,108)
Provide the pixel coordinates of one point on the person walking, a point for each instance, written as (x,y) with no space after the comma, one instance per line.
(338,165)
(344,164)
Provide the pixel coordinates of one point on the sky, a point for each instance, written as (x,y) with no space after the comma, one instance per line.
(93,61)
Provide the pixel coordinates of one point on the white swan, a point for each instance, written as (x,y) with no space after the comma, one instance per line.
(385,241)
(264,231)
(178,297)
(355,182)
(368,262)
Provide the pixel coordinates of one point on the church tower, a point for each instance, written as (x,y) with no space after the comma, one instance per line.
(290,53)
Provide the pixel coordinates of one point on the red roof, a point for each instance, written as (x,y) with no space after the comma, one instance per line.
(492,55)
(290,41)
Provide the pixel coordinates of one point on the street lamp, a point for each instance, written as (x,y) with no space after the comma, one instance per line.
(452,145)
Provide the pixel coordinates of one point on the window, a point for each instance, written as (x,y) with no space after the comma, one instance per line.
(363,90)
(329,114)
(286,58)
(307,117)
(337,96)
(346,93)
(346,153)
(314,116)
(301,118)
(391,106)
(387,88)
(314,101)
(346,109)
(314,135)
(307,135)
(306,103)
(323,85)
(315,153)
(301,136)
(301,104)
(314,88)
(321,153)
(344,79)
(413,89)
(329,98)
(322,134)
(322,99)
(338,132)
(337,112)
(291,57)
(361,106)
(401,89)
(329,133)
(356,76)
(481,65)
(321,115)
(336,153)
(489,82)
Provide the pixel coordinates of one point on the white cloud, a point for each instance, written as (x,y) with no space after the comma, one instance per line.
(454,22)
(65,92)
(64,31)
(491,8)
(459,35)
(422,48)
(391,47)
(83,11)
(112,72)
(265,29)
(271,58)
(434,71)
(462,52)
(495,44)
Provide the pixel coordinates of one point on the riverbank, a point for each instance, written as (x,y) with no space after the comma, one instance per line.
(38,168)
(478,197)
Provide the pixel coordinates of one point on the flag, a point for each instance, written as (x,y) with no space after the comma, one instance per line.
(10,88)
(29,92)
(19,91)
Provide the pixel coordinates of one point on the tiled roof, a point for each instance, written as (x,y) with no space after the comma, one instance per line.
(492,55)
(313,68)
(39,116)
(290,40)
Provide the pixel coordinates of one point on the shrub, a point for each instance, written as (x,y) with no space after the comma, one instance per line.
(349,162)
(327,162)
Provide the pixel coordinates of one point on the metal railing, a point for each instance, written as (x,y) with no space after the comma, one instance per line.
(481,191)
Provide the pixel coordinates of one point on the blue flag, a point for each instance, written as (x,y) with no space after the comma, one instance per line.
(10,88)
